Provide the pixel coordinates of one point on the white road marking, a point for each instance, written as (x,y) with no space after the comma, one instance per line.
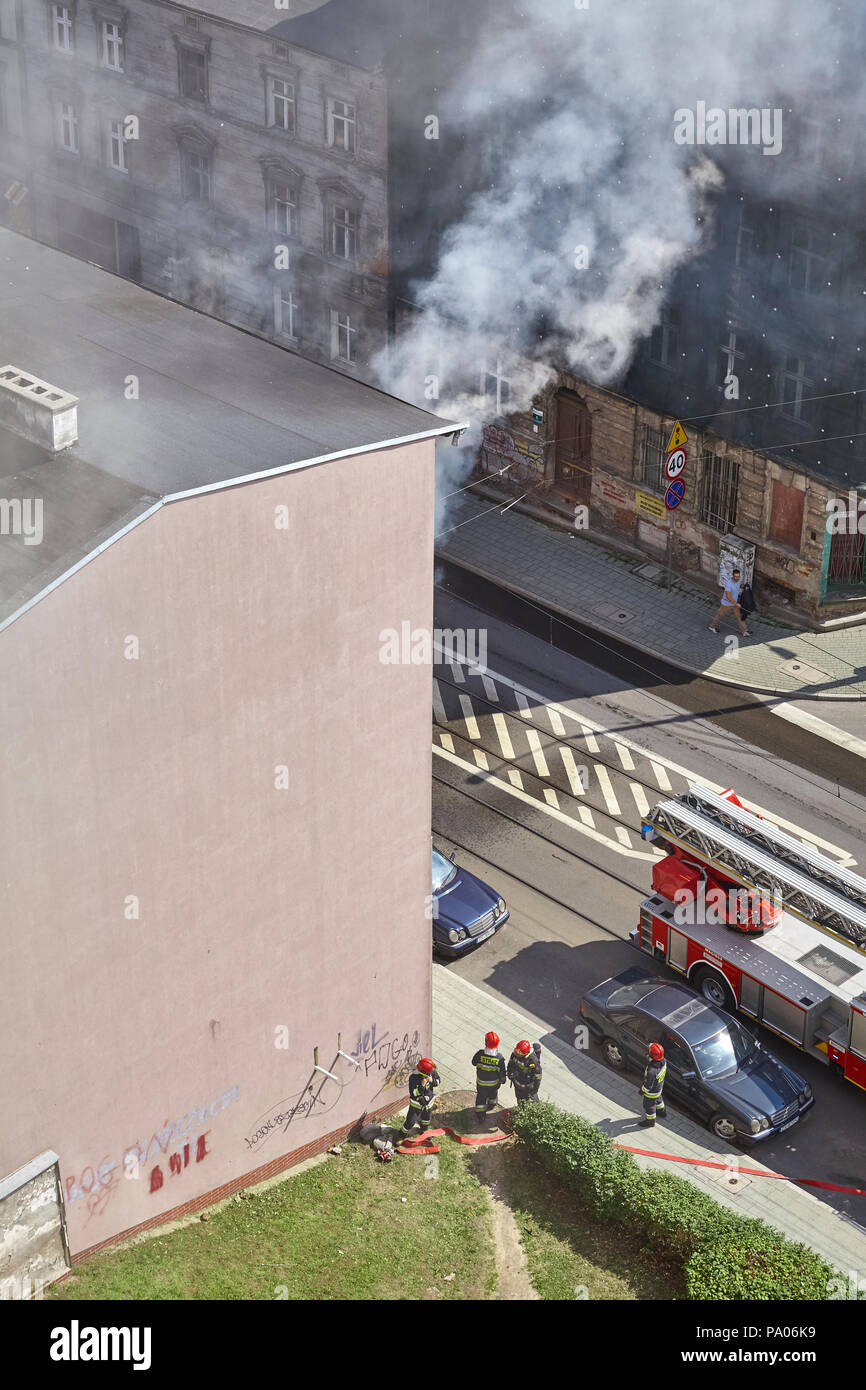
(550,797)
(481,759)
(622,835)
(438,706)
(661,776)
(640,800)
(457,673)
(607,792)
(625,757)
(515,778)
(552,811)
(575,783)
(446,740)
(587,733)
(537,754)
(505,744)
(659,760)
(821,728)
(490,689)
(522,703)
(585,815)
(556,723)
(469,717)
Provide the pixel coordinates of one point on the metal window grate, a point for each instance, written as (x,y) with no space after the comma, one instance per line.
(720,478)
(652,458)
(847,566)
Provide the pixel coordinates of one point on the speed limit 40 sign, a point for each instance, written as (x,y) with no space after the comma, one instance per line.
(675,463)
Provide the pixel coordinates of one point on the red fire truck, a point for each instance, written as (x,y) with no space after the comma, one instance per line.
(758,922)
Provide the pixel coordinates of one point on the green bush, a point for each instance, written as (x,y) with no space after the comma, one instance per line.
(723,1255)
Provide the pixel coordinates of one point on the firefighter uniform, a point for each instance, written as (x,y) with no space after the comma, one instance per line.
(490,1074)
(651,1090)
(421,1088)
(524,1073)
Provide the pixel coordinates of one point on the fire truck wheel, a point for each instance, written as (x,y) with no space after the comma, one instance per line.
(724,1127)
(612,1053)
(714,988)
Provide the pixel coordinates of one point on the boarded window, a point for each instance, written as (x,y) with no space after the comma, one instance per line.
(786,515)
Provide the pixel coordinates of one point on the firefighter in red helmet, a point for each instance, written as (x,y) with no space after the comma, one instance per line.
(490,1073)
(653,1085)
(422,1083)
(524,1070)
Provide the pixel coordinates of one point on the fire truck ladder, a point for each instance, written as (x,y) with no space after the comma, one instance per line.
(757,854)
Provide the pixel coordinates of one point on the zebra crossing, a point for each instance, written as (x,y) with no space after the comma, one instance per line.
(546,754)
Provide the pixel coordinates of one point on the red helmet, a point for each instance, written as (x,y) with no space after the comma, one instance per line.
(656,1051)
(523,1047)
(427,1065)
(492,1039)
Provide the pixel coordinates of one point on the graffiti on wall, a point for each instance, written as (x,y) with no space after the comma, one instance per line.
(376,1053)
(97,1183)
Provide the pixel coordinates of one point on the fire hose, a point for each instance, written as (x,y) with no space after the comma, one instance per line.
(751,1172)
(415,1140)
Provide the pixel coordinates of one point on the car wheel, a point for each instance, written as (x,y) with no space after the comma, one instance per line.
(714,988)
(724,1127)
(613,1054)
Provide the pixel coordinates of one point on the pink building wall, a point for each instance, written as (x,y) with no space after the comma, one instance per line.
(167,907)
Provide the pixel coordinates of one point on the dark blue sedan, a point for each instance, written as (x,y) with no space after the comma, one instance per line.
(465,910)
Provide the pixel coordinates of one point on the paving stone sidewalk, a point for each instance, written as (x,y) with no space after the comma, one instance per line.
(462,1014)
(605,591)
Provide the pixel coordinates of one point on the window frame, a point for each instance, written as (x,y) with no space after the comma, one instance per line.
(351,334)
(652,475)
(191,43)
(793,411)
(725,490)
(75,125)
(123,167)
(331,117)
(55,24)
(295,312)
(497,375)
(290,77)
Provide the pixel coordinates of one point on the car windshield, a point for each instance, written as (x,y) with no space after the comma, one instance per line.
(443,871)
(725,1052)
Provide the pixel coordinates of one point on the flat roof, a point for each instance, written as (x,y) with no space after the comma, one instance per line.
(216,407)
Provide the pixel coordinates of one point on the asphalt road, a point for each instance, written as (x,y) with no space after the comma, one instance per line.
(545,806)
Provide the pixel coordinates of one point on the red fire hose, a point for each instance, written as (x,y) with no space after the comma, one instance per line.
(415,1140)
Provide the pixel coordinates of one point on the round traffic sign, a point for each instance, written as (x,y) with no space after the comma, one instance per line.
(674,494)
(676,462)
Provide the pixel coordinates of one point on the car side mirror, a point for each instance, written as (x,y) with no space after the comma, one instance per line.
(689,1075)
(451,855)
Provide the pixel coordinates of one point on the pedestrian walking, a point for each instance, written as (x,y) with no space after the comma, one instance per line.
(524,1070)
(422,1083)
(731,604)
(490,1073)
(653,1085)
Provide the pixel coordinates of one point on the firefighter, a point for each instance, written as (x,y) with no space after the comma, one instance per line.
(653,1085)
(524,1071)
(490,1073)
(422,1083)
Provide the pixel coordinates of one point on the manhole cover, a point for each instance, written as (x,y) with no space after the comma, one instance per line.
(732,1181)
(809,675)
(648,571)
(612,612)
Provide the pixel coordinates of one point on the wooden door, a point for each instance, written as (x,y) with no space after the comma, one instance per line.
(573,448)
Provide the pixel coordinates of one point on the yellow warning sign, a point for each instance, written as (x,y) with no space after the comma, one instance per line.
(678,438)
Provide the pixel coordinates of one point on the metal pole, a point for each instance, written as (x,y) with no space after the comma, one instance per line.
(670,546)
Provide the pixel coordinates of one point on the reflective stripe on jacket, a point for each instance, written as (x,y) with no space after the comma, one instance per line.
(524,1071)
(489,1067)
(421,1087)
(654,1080)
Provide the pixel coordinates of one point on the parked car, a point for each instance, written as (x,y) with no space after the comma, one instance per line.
(715,1067)
(465,910)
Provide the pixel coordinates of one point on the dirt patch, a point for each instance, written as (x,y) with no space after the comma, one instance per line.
(514,1282)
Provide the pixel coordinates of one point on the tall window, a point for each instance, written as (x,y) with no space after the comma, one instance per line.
(196,174)
(717,502)
(806,268)
(63,28)
(111,44)
(117,147)
(343,334)
(69,127)
(797,386)
(664,343)
(192,73)
(284,208)
(286,312)
(341,125)
(731,358)
(344,232)
(281,104)
(495,386)
(745,244)
(652,457)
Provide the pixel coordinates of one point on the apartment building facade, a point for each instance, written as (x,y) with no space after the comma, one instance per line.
(191,152)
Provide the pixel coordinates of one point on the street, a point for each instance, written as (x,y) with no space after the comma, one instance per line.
(542,798)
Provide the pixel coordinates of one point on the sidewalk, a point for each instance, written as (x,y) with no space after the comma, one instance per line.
(462,1014)
(627,600)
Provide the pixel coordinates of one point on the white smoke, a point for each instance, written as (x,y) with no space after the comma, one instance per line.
(576,109)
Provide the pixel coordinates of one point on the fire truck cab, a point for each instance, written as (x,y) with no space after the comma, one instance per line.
(758,922)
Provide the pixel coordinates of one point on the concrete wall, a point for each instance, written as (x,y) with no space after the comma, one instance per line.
(32,1241)
(169,903)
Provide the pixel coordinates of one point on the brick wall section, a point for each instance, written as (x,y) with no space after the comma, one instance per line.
(256,1175)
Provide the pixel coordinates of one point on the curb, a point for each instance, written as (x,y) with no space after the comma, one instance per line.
(808,692)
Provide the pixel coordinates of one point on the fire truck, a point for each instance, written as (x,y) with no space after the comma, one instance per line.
(758,922)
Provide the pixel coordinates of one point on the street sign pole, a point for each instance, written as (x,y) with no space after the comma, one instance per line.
(670,548)
(675,463)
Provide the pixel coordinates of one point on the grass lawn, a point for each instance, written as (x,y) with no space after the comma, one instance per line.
(340,1231)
